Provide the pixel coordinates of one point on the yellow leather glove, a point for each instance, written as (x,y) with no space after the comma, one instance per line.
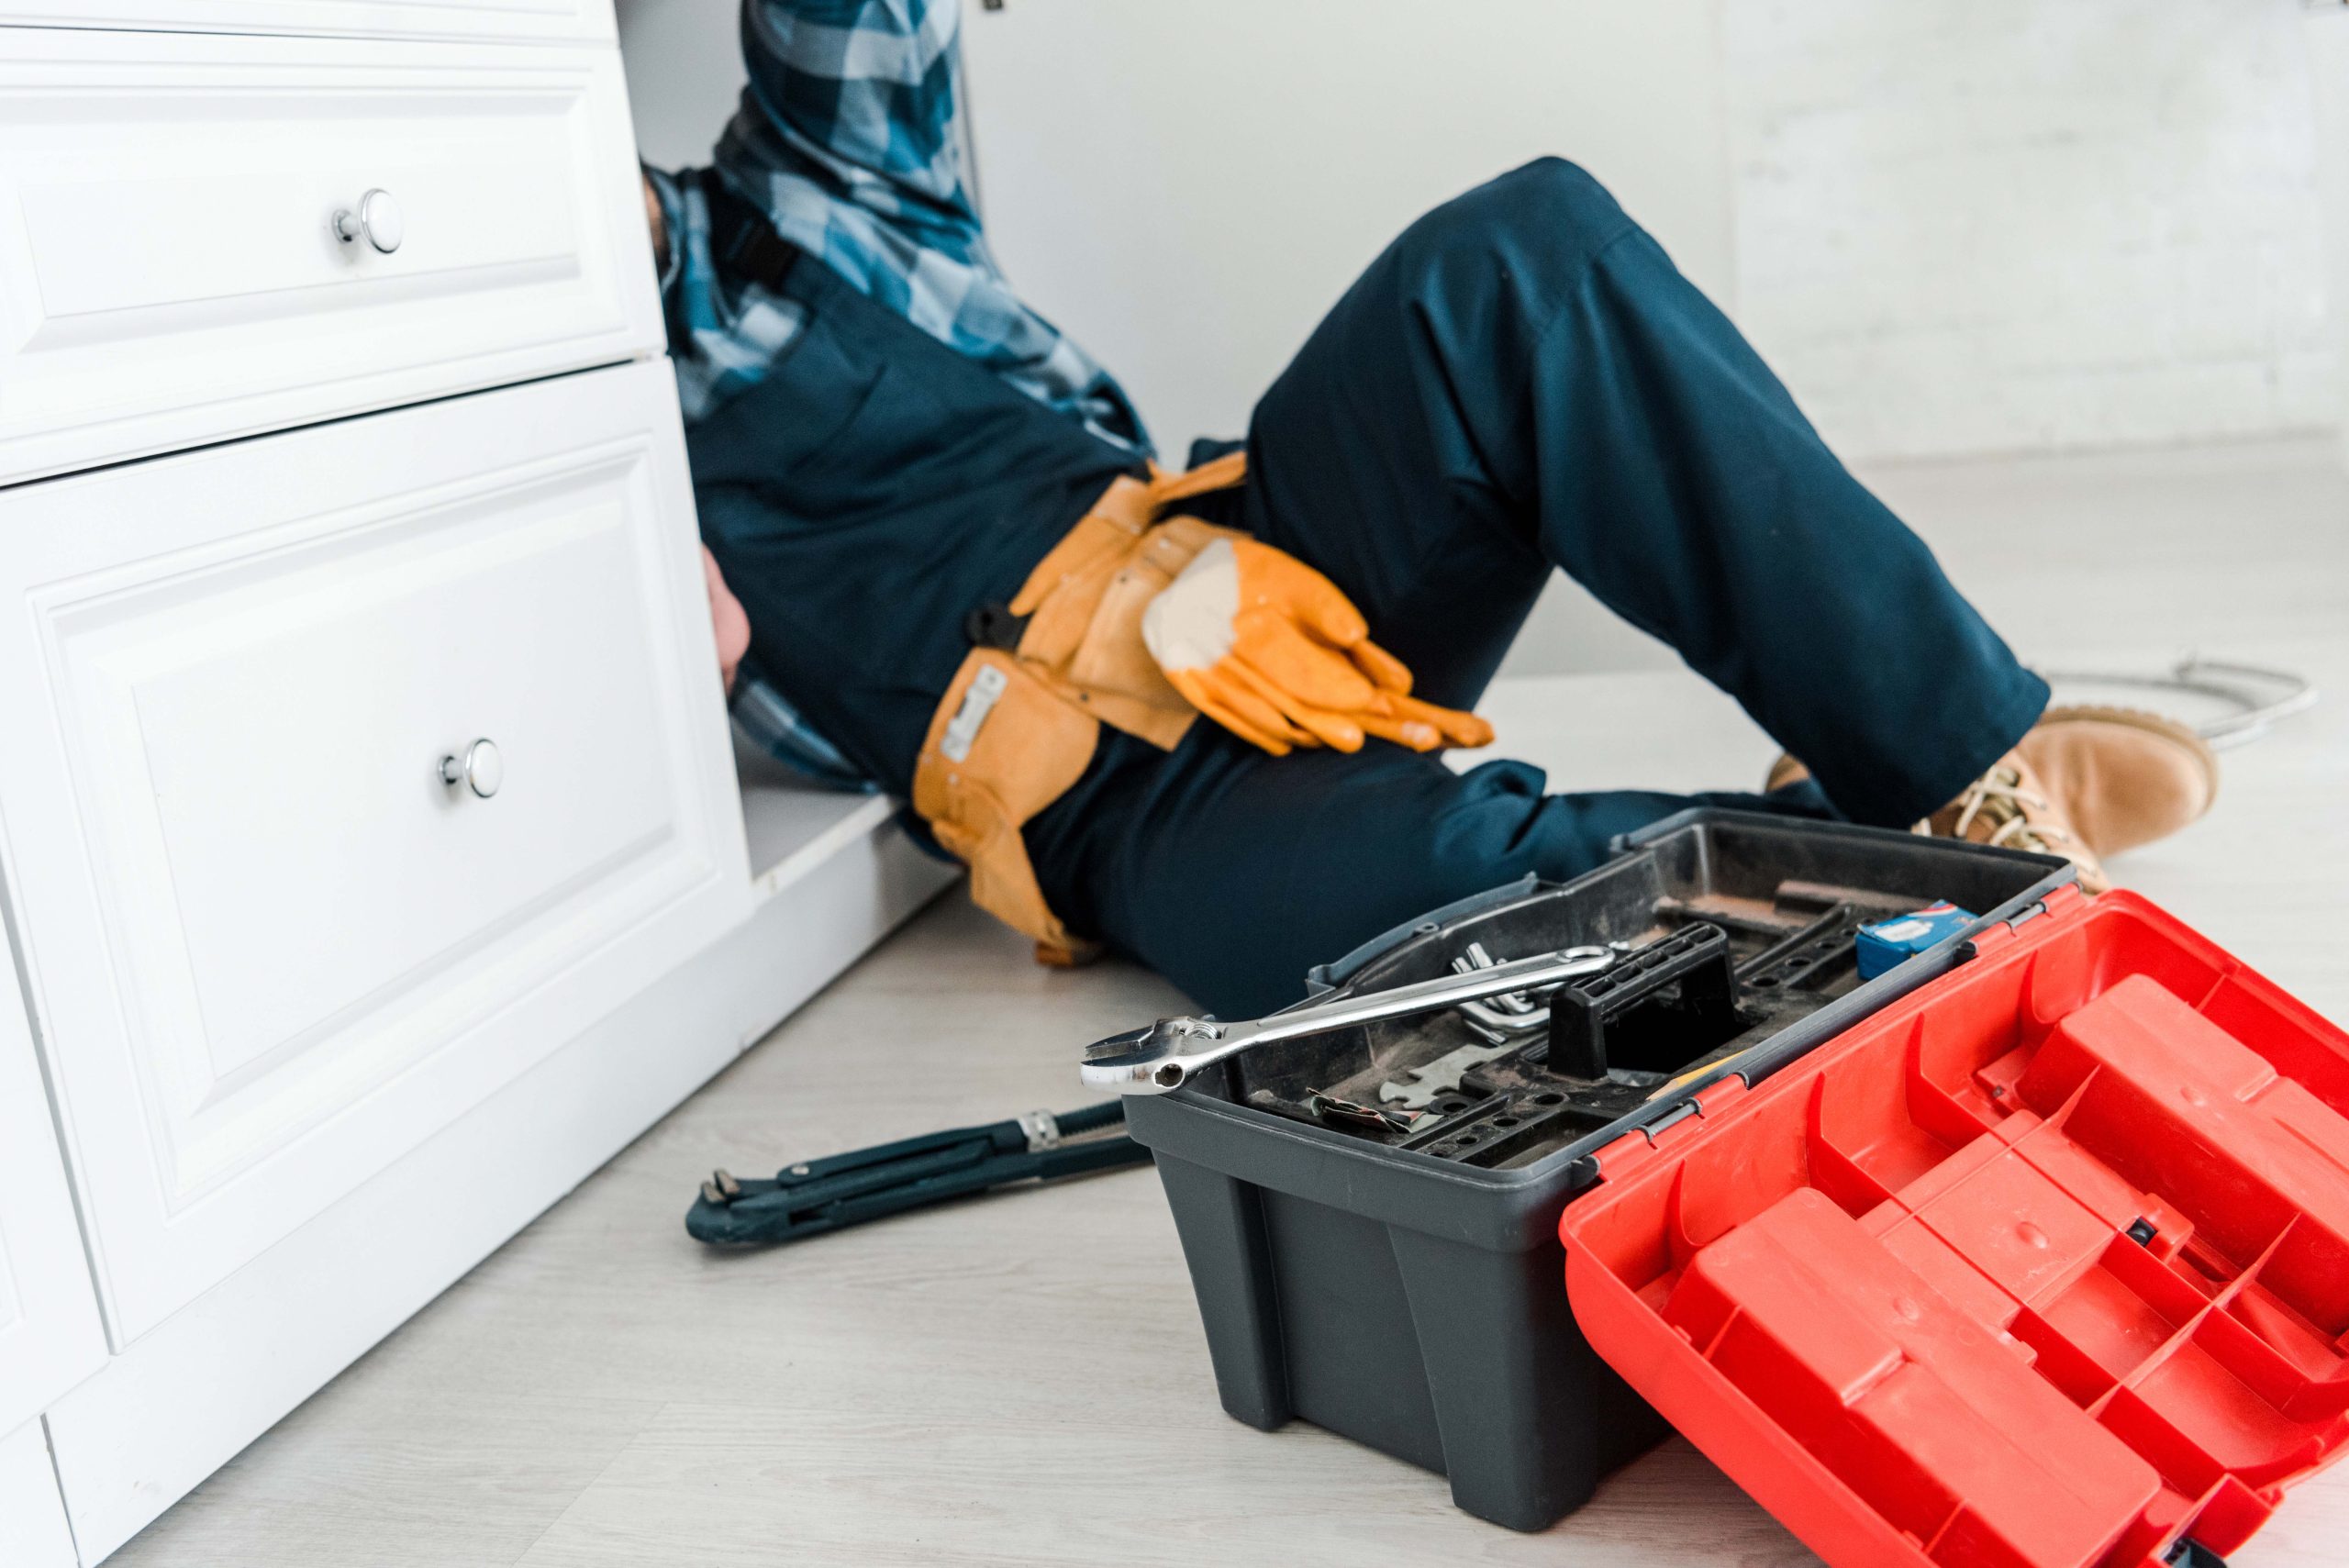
(1268,648)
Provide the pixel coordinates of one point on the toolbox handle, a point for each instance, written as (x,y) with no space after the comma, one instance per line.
(1696,959)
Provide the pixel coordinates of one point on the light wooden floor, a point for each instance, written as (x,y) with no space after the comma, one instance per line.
(1023,1380)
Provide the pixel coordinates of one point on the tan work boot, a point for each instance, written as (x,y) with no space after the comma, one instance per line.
(2085,783)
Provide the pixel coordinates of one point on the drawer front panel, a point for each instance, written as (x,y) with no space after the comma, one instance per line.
(539,20)
(169,267)
(272,946)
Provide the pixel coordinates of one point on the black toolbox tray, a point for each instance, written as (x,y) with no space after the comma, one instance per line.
(1403,1288)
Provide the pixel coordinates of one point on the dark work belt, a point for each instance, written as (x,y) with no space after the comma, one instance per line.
(744,242)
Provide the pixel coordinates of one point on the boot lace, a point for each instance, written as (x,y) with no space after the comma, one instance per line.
(1998,800)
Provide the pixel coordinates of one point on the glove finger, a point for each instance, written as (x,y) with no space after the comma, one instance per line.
(1457,728)
(1200,695)
(1240,711)
(1330,616)
(1417,734)
(1270,576)
(1386,672)
(1213,710)
(1230,684)
(1321,676)
(1337,730)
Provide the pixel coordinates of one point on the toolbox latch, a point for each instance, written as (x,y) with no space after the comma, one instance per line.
(1682,1121)
(1626,1154)
(2058,903)
(2063,900)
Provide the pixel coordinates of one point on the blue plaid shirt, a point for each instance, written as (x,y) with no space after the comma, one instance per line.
(849,137)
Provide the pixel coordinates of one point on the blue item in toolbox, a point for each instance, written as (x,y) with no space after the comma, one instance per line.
(1889,943)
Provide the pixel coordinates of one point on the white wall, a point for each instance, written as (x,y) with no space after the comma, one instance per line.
(685,69)
(1188,187)
(2327,39)
(1994,225)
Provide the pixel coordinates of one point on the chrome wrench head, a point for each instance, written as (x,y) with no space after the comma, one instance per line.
(1151,1059)
(1163,1056)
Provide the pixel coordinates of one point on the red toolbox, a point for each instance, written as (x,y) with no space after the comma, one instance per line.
(2045,1265)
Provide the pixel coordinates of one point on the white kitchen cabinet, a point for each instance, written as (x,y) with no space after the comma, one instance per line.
(834,875)
(271,948)
(49,1339)
(375,858)
(171,271)
(33,1531)
(543,21)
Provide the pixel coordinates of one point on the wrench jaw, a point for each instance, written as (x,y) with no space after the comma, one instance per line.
(1148,1061)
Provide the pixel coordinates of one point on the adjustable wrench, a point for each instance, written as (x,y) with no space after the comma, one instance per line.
(1164,1056)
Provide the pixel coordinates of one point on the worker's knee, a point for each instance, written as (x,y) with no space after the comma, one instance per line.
(1546,213)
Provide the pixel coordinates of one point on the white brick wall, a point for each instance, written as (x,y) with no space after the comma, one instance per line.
(1999,225)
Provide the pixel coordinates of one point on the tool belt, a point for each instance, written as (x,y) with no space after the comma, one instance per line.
(1018,727)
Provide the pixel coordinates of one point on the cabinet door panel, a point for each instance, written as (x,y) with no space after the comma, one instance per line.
(169,271)
(272,947)
(49,1320)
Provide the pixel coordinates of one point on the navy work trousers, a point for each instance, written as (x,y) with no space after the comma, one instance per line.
(1522,382)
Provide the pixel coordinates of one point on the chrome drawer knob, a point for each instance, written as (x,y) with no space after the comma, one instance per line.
(376,219)
(481,769)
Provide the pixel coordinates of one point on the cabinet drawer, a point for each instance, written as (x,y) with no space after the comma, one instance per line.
(170,272)
(270,947)
(536,20)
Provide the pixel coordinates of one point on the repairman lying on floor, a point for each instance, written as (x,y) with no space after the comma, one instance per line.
(958,562)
